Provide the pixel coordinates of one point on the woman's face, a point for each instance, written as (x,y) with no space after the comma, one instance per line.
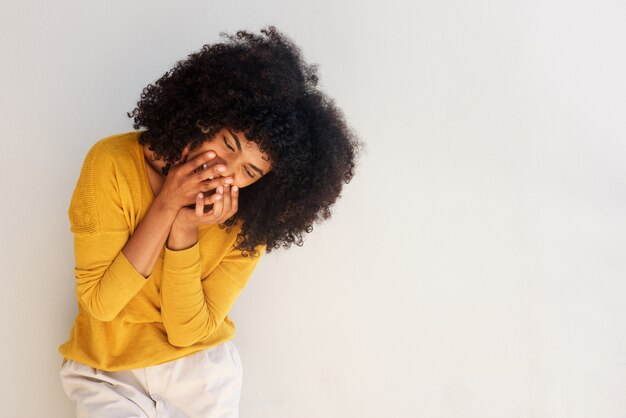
(242,158)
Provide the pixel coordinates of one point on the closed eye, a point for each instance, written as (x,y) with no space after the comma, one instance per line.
(233,150)
(227,144)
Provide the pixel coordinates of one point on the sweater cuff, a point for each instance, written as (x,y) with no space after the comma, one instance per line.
(182,263)
(122,268)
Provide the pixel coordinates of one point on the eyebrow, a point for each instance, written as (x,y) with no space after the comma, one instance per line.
(254,167)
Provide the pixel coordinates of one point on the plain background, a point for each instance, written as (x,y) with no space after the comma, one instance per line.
(474,267)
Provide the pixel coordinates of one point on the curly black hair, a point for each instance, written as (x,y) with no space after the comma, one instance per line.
(261,86)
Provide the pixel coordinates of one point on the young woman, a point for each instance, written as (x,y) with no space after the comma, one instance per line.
(240,154)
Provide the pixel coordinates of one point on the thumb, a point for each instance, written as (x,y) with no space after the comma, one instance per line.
(186,151)
(183,158)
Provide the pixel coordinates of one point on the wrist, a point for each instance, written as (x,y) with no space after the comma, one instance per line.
(163,205)
(182,237)
(183,229)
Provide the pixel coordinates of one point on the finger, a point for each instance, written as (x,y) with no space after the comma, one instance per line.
(209,172)
(233,203)
(234,199)
(207,185)
(227,204)
(219,204)
(183,156)
(197,161)
(185,153)
(199,204)
(210,200)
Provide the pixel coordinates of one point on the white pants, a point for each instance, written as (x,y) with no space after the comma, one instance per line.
(206,384)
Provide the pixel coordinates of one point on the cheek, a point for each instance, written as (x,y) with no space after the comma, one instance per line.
(243,182)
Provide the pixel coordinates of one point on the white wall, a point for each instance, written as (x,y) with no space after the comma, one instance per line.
(474,267)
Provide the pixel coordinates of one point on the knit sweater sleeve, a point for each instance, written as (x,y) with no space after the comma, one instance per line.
(195,303)
(105,279)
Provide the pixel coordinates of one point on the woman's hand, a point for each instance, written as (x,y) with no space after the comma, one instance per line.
(225,204)
(184,181)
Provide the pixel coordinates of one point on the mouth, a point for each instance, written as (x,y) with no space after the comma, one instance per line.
(206,166)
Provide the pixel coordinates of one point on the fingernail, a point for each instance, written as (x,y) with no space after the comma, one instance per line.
(228,180)
(220,189)
(210,154)
(200,195)
(222,168)
(235,188)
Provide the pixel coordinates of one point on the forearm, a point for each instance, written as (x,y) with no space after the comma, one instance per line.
(145,245)
(194,302)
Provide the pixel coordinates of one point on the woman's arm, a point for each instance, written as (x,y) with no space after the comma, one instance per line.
(112,264)
(194,303)
(144,246)
(105,294)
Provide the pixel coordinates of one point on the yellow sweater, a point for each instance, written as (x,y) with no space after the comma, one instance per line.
(127,321)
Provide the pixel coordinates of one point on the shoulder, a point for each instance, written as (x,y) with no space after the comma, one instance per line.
(118,147)
(111,159)
(114,154)
(98,195)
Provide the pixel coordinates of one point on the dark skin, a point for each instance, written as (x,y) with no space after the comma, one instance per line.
(169,220)
(241,161)
(158,225)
